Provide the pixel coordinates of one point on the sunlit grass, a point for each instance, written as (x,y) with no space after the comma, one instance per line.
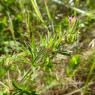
(43,53)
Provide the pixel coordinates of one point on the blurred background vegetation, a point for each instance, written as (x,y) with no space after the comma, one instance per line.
(47,47)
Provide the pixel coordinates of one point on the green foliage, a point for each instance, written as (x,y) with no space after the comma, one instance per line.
(2,93)
(32,34)
(73,64)
(22,90)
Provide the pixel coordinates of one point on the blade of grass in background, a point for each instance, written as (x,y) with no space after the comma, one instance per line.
(36,8)
(49,15)
(38,13)
(89,79)
(47,10)
(82,12)
(11,26)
